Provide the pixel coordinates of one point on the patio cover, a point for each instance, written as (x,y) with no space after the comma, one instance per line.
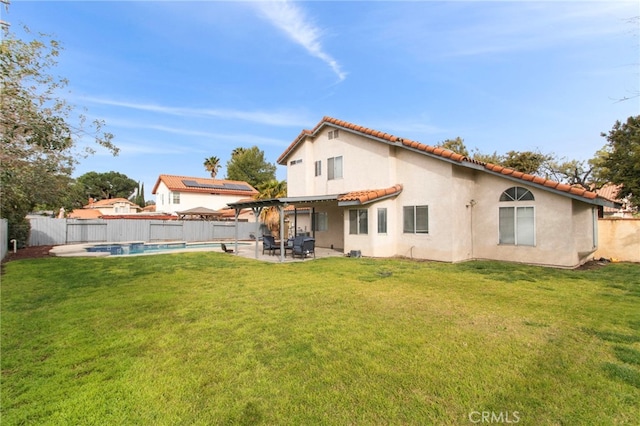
(258,204)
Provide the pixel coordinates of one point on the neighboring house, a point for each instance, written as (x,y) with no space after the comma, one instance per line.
(387,196)
(108,207)
(176,194)
(623,208)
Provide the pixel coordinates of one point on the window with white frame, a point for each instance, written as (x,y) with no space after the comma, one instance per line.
(321,221)
(333,134)
(359,221)
(334,168)
(318,167)
(415,219)
(516,222)
(382,221)
(175,197)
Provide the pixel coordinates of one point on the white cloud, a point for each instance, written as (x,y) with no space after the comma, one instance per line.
(291,19)
(280,118)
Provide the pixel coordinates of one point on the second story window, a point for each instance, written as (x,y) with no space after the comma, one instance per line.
(318,168)
(175,198)
(333,134)
(334,168)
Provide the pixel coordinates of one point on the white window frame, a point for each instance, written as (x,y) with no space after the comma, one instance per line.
(382,220)
(413,229)
(175,198)
(335,168)
(321,221)
(517,228)
(359,226)
(318,166)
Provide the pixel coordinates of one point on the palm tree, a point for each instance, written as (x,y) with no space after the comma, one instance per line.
(212,165)
(270,216)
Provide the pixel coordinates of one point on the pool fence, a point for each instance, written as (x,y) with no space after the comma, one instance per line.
(49,231)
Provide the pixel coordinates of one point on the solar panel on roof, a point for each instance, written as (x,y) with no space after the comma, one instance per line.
(190,183)
(229,186)
(237,186)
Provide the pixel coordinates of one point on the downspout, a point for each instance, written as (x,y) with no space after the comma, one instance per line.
(470,206)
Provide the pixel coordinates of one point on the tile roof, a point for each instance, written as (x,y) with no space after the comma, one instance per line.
(445,154)
(109,202)
(84,214)
(205,185)
(367,196)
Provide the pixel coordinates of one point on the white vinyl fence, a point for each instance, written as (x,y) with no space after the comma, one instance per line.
(48,231)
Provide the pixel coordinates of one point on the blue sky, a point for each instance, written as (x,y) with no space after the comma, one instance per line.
(177,82)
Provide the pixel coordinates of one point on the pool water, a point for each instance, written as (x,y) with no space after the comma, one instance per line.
(124,249)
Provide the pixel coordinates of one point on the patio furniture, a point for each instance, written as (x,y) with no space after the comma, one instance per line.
(269,244)
(303,246)
(225,249)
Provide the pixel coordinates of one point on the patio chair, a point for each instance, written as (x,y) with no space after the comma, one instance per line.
(225,249)
(269,244)
(303,246)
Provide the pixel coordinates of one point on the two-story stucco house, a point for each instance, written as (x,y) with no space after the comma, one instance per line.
(180,193)
(387,196)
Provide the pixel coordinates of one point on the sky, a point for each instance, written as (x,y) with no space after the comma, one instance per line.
(177,82)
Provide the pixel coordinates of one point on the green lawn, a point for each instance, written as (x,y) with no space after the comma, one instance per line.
(208,338)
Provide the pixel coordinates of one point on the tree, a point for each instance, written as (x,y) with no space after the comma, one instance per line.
(270,216)
(107,185)
(531,162)
(620,158)
(456,145)
(250,166)
(237,151)
(138,198)
(38,137)
(212,165)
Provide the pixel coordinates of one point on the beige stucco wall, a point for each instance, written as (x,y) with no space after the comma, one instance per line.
(619,239)
(563,227)
(463,206)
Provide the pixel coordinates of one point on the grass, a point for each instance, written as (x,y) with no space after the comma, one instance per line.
(208,338)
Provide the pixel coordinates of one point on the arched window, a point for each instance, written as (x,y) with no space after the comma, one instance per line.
(517,221)
(517,193)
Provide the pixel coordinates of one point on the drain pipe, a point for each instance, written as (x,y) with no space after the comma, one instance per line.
(14,242)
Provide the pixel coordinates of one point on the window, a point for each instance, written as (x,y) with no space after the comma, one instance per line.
(294,162)
(333,134)
(359,221)
(334,168)
(318,168)
(382,221)
(321,221)
(517,193)
(415,219)
(516,223)
(175,198)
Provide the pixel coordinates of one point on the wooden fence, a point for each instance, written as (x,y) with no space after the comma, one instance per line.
(48,231)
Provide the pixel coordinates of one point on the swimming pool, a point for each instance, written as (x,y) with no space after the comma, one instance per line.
(133,248)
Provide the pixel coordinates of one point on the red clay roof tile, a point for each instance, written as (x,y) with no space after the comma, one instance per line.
(370,195)
(175,183)
(443,153)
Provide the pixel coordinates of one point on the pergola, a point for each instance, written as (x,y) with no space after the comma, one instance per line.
(281,203)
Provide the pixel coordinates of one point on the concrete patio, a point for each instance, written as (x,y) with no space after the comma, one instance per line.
(249,251)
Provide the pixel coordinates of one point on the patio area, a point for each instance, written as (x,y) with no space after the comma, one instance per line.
(249,251)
